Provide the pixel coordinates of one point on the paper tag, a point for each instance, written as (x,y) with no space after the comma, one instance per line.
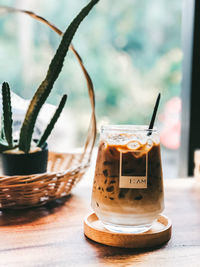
(133,169)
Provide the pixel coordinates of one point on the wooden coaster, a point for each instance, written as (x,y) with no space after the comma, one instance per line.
(159,233)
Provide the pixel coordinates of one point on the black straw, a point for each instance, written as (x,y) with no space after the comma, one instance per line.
(154,114)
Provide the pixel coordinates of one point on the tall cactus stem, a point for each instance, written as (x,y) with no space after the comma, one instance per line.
(7,114)
(46,86)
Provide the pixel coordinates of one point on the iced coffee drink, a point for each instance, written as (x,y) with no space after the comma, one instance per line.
(128,185)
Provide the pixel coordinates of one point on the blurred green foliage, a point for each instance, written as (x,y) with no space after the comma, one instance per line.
(131,49)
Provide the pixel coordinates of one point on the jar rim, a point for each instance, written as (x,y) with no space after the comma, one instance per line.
(127,128)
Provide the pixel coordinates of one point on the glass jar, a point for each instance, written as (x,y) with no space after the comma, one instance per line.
(128,183)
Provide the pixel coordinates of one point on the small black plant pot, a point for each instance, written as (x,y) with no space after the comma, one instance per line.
(25,164)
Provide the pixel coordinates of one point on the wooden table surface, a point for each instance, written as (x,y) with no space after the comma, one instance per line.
(53,235)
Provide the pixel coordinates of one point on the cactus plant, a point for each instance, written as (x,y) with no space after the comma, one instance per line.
(6,139)
(40,95)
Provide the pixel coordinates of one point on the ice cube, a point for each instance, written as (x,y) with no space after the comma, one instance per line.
(133,145)
(117,139)
(149,143)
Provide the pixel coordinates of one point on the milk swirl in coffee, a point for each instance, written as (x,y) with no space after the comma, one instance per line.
(128,153)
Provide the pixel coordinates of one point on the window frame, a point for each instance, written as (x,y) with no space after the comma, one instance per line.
(190,94)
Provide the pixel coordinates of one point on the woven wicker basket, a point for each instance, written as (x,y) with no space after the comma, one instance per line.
(64,170)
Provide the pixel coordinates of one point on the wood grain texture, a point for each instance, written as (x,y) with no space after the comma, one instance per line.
(53,235)
(159,234)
